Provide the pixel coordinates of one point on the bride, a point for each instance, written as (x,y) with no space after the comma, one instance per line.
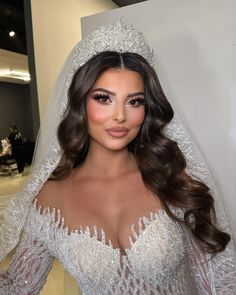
(118,193)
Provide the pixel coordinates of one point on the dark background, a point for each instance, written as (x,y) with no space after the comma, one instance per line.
(15,106)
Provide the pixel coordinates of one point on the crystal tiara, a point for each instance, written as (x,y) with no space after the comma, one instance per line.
(118,36)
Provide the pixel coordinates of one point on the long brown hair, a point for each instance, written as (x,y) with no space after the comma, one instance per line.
(160,160)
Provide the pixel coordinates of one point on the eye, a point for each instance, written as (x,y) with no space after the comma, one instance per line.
(101,97)
(137,101)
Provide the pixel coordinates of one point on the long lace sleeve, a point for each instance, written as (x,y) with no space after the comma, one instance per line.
(213,275)
(28,270)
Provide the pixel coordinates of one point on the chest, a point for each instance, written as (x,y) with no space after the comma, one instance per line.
(115,207)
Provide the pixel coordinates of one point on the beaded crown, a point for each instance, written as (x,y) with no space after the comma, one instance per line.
(118,36)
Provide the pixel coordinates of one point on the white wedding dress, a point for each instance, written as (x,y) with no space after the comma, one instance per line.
(163,258)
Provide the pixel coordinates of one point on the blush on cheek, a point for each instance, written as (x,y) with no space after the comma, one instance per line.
(137,118)
(94,111)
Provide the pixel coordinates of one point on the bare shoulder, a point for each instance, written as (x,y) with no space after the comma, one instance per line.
(56,193)
(64,195)
(49,195)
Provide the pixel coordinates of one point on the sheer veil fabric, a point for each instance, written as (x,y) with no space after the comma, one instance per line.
(118,37)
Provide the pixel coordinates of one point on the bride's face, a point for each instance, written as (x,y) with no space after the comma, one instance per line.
(115,108)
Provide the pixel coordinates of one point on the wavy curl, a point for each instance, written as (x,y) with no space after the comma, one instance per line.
(160,160)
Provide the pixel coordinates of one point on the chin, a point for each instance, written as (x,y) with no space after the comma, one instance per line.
(116,147)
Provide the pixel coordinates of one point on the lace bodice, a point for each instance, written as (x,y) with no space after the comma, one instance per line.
(101,269)
(162,258)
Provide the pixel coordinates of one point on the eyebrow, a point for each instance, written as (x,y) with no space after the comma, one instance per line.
(113,93)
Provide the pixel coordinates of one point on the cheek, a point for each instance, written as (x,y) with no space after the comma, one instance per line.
(95,112)
(137,117)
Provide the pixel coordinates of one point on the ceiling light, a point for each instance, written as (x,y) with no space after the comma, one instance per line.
(11,33)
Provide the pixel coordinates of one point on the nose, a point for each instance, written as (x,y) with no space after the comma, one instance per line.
(119,113)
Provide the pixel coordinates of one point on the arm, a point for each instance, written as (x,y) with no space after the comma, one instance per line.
(212,275)
(28,270)
(33,260)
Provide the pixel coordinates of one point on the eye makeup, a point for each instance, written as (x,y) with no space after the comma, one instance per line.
(136,101)
(101,97)
(105,98)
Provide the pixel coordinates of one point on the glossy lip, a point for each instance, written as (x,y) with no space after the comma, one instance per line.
(117,129)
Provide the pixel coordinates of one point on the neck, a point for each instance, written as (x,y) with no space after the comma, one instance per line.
(104,163)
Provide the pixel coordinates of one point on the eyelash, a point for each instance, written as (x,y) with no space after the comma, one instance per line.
(99,98)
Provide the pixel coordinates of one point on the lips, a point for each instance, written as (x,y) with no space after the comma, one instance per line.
(117,131)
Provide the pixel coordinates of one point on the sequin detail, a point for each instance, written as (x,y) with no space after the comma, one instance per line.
(163,258)
(103,265)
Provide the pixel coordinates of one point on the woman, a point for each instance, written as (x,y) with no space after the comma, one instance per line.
(121,211)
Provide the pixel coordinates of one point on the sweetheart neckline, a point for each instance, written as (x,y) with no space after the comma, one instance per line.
(142,223)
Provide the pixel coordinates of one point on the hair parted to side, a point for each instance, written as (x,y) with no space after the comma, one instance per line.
(160,160)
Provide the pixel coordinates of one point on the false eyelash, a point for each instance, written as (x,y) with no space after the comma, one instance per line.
(98,96)
(140,101)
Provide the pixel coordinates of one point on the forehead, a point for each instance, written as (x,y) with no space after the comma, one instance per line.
(117,78)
